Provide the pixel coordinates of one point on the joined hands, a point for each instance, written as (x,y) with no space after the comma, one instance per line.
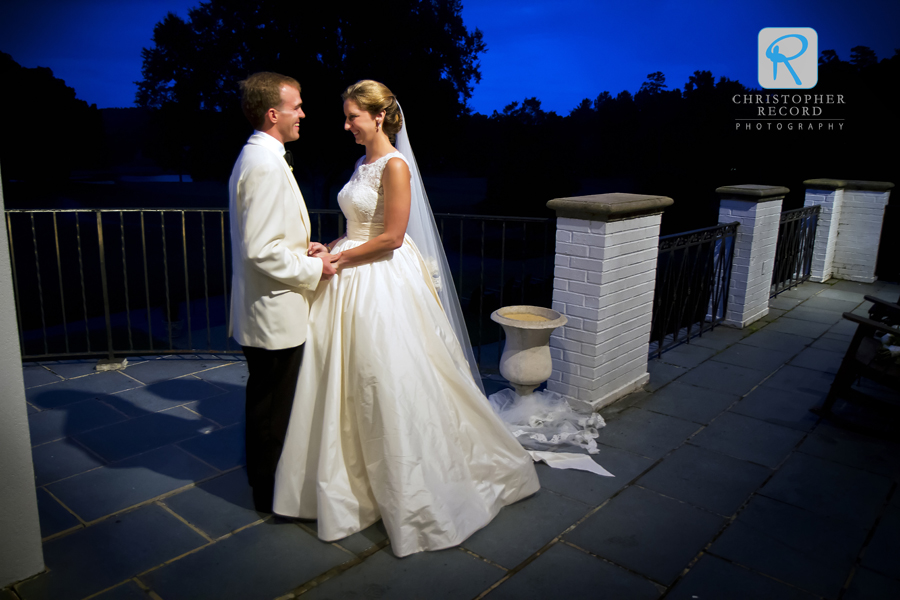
(320,251)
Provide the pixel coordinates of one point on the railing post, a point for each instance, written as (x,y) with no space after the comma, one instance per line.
(849,229)
(605,276)
(109,363)
(758,210)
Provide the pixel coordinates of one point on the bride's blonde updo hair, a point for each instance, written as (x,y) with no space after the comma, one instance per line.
(374,97)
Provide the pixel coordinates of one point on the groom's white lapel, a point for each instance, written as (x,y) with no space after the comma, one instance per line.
(256,140)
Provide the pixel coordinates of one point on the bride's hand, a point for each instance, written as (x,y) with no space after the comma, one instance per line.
(315,248)
(329,263)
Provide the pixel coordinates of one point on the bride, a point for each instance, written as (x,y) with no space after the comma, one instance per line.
(389,421)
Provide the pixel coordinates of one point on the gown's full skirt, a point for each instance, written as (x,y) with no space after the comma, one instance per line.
(388,422)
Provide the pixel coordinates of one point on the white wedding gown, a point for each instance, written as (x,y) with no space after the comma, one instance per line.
(388,422)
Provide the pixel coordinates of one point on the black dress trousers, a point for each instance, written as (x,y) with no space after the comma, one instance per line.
(271,385)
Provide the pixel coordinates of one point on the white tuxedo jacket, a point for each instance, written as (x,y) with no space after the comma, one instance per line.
(272,276)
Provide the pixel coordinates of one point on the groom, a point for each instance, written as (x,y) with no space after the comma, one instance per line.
(273,275)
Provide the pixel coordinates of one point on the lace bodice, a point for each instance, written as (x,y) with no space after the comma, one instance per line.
(362,198)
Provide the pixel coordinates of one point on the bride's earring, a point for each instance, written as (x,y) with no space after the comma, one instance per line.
(377,125)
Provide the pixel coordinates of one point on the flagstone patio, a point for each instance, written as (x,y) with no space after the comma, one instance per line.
(725,486)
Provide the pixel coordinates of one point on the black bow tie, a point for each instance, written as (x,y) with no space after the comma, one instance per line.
(289,158)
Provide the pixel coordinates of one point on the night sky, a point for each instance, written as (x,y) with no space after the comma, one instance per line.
(560,51)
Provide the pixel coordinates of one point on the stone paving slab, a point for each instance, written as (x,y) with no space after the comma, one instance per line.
(162,396)
(731,379)
(805,291)
(688,402)
(66,392)
(34,375)
(797,327)
(126,591)
(224,410)
(774,313)
(832,344)
(829,489)
(832,304)
(776,340)
(70,369)
(588,487)
(230,375)
(818,360)
(445,575)
(761,552)
(218,506)
(525,527)
(653,524)
(766,360)
(720,337)
(359,542)
(844,327)
(705,479)
(120,485)
(54,424)
(96,558)
(565,572)
(714,578)
(780,407)
(749,439)
(829,541)
(687,355)
(646,433)
(60,459)
(257,563)
(223,449)
(883,552)
(647,533)
(799,379)
(815,315)
(138,435)
(784,302)
(838,294)
(169,367)
(862,310)
(53,516)
(867,585)
(662,373)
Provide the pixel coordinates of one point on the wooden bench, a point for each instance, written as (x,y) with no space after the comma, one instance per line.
(865,358)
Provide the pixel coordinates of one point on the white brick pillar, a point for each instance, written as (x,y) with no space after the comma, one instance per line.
(606,250)
(21,553)
(830,197)
(758,210)
(848,246)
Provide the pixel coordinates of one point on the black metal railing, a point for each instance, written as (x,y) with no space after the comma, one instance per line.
(693,272)
(794,249)
(111,282)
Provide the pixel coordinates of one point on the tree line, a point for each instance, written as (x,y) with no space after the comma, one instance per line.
(681,141)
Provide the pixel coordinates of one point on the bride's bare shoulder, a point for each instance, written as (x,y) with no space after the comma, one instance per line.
(396,166)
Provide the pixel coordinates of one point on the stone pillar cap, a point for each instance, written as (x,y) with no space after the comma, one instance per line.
(848,184)
(753,192)
(609,207)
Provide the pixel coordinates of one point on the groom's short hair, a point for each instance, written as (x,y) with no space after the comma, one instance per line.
(262,91)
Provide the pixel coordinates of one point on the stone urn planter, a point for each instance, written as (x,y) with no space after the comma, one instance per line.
(526,361)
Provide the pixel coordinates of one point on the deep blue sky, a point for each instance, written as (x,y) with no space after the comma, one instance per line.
(560,51)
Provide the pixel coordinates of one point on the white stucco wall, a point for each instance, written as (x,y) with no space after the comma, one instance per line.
(20,533)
